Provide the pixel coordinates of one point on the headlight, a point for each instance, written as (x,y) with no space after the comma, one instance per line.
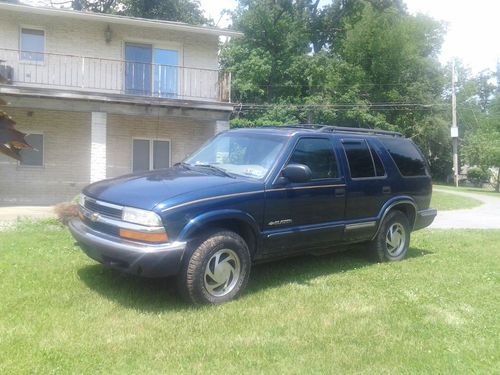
(142,217)
(81,200)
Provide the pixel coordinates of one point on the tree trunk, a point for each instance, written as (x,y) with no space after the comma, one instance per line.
(497,187)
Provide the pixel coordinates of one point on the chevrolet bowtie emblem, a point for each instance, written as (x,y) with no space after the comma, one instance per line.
(94,217)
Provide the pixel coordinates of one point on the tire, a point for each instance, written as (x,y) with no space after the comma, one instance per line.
(217,269)
(393,238)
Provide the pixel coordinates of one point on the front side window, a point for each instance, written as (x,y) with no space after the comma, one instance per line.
(249,155)
(318,155)
(32,45)
(150,154)
(407,157)
(33,157)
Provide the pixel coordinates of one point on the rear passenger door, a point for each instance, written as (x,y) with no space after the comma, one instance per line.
(299,216)
(367,188)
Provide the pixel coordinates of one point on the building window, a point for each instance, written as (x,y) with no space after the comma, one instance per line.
(150,154)
(32,45)
(33,157)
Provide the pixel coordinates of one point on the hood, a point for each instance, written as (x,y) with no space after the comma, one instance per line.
(147,190)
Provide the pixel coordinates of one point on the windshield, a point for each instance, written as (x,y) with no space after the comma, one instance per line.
(249,155)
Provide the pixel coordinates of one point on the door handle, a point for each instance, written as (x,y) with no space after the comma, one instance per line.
(386,190)
(340,192)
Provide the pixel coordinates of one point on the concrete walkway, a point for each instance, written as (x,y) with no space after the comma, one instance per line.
(486,216)
(9,215)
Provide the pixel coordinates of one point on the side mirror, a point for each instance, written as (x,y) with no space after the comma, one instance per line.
(297,173)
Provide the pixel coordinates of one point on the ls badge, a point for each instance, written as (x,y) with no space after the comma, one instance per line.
(280,222)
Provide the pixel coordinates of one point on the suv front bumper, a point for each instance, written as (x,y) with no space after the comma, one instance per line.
(149,260)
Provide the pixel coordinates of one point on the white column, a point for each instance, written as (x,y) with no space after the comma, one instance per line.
(98,146)
(221,126)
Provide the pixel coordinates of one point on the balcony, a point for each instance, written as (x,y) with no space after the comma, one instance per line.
(106,76)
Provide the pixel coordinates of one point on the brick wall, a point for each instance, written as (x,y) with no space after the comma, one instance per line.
(86,38)
(76,38)
(66,159)
(185,135)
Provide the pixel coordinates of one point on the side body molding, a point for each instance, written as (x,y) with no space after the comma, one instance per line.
(391,203)
(209,217)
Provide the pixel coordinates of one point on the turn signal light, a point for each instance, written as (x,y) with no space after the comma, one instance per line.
(145,237)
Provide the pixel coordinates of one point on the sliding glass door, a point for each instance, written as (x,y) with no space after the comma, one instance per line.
(151,71)
(138,60)
(166,73)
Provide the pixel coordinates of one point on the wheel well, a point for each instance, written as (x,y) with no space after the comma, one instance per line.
(408,209)
(238,226)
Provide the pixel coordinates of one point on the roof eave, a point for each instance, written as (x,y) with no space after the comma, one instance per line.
(121,20)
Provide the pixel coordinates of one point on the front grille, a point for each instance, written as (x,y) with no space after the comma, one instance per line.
(103,228)
(104,210)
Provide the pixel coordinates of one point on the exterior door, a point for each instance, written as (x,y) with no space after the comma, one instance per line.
(138,60)
(166,73)
(368,189)
(299,216)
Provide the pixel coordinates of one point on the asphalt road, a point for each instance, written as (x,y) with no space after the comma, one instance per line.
(486,216)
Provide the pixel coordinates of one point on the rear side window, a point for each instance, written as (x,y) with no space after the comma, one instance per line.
(363,160)
(407,157)
(318,155)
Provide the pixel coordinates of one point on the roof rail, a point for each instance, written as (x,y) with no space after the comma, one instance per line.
(342,129)
(337,129)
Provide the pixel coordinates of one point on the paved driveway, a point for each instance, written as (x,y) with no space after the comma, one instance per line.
(486,216)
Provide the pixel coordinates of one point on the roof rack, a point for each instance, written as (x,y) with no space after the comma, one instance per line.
(342,129)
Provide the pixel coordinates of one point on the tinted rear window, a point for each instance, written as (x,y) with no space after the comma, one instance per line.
(407,157)
(359,158)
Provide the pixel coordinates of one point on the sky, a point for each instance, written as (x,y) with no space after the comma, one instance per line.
(473,27)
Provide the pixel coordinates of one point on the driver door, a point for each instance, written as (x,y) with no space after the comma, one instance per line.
(299,216)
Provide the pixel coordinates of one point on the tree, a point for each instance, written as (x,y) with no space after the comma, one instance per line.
(482,148)
(97,6)
(485,88)
(187,11)
(171,10)
(266,59)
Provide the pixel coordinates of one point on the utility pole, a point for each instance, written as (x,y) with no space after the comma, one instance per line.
(454,127)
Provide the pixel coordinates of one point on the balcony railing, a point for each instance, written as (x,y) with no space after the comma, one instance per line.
(99,75)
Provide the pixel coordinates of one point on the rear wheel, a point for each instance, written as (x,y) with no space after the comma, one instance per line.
(393,238)
(217,270)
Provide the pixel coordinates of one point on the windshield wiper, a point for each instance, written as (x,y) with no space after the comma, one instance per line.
(214,167)
(183,164)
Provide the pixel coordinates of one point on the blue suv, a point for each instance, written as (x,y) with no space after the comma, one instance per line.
(251,195)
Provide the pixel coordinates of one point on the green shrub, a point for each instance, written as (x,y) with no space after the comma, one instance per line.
(477,175)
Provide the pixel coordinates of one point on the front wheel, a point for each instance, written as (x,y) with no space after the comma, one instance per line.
(393,238)
(217,271)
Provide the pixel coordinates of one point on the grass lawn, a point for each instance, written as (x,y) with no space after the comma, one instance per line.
(463,189)
(436,312)
(445,202)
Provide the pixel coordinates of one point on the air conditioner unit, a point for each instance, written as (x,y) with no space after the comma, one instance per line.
(6,73)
